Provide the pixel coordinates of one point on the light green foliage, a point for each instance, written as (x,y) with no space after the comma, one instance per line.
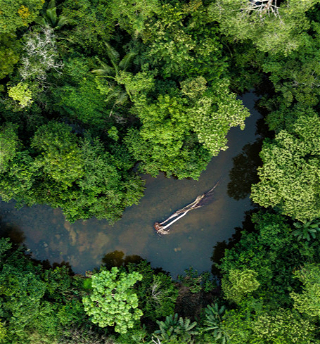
(308,301)
(164,142)
(182,41)
(282,327)
(157,293)
(8,53)
(22,94)
(239,283)
(277,327)
(272,28)
(18,13)
(112,301)
(3,332)
(181,127)
(173,128)
(175,328)
(214,114)
(289,177)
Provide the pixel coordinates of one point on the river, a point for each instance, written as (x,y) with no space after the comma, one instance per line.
(84,244)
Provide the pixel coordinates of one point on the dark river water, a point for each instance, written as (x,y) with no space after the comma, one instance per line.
(84,244)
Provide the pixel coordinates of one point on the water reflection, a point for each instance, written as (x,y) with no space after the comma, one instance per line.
(116,258)
(84,244)
(244,171)
(12,231)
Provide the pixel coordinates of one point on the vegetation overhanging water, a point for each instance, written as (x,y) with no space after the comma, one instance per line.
(85,244)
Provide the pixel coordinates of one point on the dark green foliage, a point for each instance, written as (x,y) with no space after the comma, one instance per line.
(272,252)
(75,174)
(306,231)
(156,291)
(31,299)
(8,53)
(102,88)
(197,282)
(50,17)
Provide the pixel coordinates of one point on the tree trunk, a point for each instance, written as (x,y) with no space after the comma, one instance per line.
(162,227)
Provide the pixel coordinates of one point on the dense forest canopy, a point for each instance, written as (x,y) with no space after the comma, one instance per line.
(95,92)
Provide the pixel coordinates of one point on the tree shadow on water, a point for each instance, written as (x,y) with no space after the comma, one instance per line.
(11,231)
(244,171)
(220,247)
(118,259)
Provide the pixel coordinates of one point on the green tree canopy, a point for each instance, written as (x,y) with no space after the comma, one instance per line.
(272,26)
(18,13)
(289,177)
(112,301)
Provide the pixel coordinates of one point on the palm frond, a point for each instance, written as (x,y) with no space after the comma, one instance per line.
(125,62)
(113,55)
(51,16)
(52,4)
(62,21)
(106,70)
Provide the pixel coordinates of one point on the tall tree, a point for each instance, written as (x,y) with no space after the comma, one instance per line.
(272,25)
(289,177)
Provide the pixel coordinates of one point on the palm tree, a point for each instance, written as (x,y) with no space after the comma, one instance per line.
(306,231)
(174,327)
(113,72)
(213,321)
(50,18)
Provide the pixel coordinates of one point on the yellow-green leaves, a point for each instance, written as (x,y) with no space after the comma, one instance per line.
(308,301)
(22,94)
(239,283)
(112,301)
(18,13)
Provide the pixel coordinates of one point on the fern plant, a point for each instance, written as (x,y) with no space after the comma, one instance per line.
(177,328)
